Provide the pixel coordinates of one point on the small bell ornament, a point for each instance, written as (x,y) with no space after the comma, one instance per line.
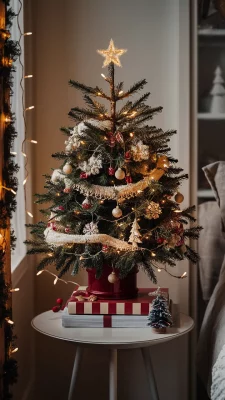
(67,190)
(128,179)
(112,142)
(83,175)
(111,171)
(113,278)
(117,212)
(119,174)
(179,197)
(86,204)
(67,169)
(105,248)
(119,137)
(127,156)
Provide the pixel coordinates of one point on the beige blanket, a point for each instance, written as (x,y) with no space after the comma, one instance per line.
(212,334)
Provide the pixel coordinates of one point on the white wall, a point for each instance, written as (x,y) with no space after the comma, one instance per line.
(67,35)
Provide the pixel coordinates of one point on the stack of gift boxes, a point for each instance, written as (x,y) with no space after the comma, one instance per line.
(84,310)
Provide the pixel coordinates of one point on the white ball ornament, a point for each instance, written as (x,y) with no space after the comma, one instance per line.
(113,278)
(119,174)
(67,169)
(117,212)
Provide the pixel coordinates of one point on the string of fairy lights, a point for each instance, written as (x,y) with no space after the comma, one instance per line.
(26,139)
(7,119)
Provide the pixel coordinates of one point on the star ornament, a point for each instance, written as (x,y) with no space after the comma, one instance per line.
(112,54)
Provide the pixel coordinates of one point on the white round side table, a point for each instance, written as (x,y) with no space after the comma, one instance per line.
(114,339)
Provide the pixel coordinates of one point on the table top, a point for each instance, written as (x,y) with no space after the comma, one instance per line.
(50,324)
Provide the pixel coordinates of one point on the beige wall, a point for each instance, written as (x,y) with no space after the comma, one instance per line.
(66,36)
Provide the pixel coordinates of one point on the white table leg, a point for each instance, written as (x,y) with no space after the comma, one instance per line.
(113,375)
(76,365)
(150,374)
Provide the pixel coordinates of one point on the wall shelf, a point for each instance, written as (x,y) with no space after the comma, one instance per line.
(206,194)
(211,116)
(211,32)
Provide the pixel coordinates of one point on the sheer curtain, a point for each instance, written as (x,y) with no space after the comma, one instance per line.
(19,217)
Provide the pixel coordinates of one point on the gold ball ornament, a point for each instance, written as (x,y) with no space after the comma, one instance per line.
(119,174)
(183,248)
(117,212)
(154,157)
(1,239)
(179,197)
(113,278)
(67,169)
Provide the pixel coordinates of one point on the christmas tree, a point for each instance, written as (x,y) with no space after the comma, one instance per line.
(111,201)
(159,316)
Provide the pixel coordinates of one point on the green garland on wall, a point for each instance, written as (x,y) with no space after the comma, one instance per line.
(9,51)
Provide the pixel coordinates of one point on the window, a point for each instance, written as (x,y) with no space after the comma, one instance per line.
(19,217)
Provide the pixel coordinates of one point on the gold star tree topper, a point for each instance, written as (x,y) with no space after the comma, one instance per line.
(112,54)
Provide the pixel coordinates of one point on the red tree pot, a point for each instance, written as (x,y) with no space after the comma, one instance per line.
(125,288)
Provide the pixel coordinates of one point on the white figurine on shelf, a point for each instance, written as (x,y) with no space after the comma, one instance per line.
(218,93)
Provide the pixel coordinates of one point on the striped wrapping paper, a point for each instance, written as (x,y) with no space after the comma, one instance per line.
(138,306)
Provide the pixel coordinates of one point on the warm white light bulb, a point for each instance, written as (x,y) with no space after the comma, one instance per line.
(184,275)
(39,272)
(15,290)
(30,215)
(33,141)
(15,350)
(13,191)
(28,76)
(9,321)
(29,108)
(13,153)
(25,181)
(24,154)
(27,34)
(103,76)
(55,280)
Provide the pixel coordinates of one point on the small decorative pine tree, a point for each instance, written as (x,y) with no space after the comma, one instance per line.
(135,234)
(218,92)
(159,316)
(115,169)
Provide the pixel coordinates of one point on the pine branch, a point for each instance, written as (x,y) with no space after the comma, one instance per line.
(136,87)
(84,88)
(95,105)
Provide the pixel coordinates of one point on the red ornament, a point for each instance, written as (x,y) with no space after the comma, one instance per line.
(86,204)
(112,142)
(61,208)
(105,248)
(67,229)
(59,301)
(53,226)
(160,240)
(128,179)
(67,190)
(55,309)
(119,137)
(127,156)
(181,242)
(111,171)
(83,175)
(110,134)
